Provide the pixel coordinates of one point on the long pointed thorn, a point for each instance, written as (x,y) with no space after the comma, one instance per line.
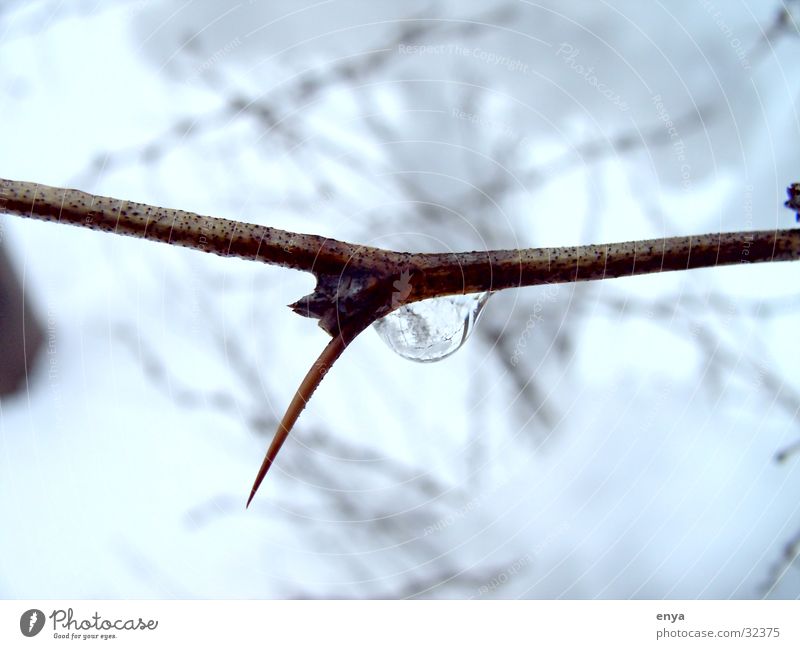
(280,437)
(312,379)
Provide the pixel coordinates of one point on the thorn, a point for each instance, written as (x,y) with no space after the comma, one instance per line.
(301,397)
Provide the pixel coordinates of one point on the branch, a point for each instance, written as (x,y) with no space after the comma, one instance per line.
(355,284)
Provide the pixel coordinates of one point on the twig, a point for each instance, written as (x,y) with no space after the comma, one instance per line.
(355,284)
(357,281)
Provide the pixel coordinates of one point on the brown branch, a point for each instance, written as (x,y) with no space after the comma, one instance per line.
(355,284)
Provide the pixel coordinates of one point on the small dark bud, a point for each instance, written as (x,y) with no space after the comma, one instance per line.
(793,203)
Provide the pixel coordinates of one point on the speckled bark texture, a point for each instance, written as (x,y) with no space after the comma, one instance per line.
(206,233)
(355,283)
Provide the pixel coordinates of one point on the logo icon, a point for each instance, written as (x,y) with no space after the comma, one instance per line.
(402,289)
(31,622)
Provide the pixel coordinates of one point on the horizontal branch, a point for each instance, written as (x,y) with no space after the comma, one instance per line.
(176,227)
(501,269)
(355,283)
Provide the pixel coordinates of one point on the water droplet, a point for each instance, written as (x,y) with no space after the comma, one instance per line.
(430,330)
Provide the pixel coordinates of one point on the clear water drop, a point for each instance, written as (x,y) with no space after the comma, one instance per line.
(430,330)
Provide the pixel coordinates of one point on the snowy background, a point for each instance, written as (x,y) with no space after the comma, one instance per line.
(619,439)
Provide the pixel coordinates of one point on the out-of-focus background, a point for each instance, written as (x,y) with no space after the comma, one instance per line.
(631,438)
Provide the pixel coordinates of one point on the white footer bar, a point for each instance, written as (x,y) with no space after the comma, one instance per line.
(406,624)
